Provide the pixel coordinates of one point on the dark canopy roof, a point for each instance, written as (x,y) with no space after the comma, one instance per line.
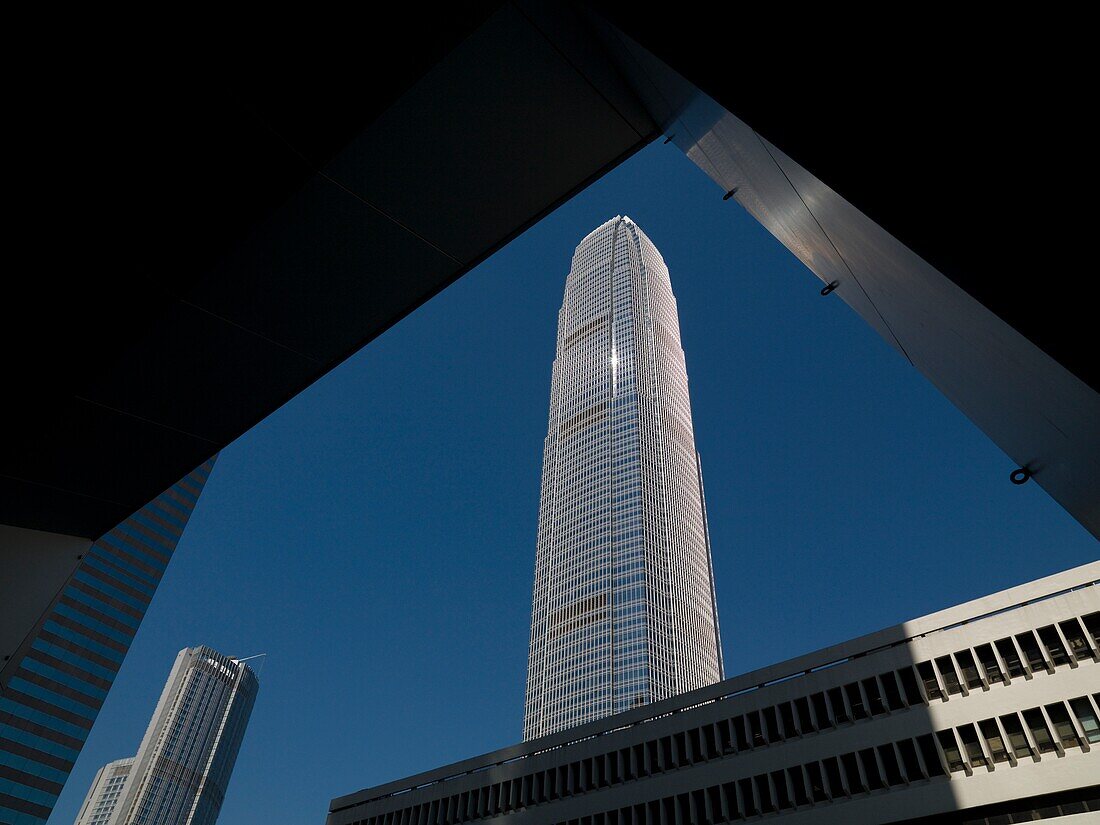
(201,243)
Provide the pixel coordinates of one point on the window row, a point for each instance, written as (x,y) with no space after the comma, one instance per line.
(1055,727)
(1007,739)
(879,768)
(1022,655)
(583,332)
(821,711)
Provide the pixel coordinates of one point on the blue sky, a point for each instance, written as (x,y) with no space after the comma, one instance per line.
(375,537)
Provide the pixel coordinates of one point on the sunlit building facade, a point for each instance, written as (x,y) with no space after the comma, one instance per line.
(182,769)
(624,610)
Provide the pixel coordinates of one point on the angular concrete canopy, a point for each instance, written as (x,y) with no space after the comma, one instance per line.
(204,243)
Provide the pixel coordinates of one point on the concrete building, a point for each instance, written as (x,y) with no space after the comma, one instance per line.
(182,768)
(106,790)
(623,611)
(985,712)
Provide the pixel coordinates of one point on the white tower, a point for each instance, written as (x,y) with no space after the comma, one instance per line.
(624,610)
(182,769)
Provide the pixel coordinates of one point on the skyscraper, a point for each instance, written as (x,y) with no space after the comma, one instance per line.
(624,610)
(103,796)
(182,768)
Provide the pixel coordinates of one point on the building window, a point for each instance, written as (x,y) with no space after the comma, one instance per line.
(1063,727)
(771,725)
(798,786)
(823,720)
(993,740)
(1011,658)
(832,775)
(855,700)
(763,792)
(739,731)
(755,729)
(1031,650)
(974,752)
(947,671)
(805,723)
(710,743)
(989,663)
(890,765)
(870,769)
(890,688)
(1054,645)
(817,782)
(1092,622)
(969,670)
(909,760)
(1039,731)
(951,750)
(728,743)
(928,679)
(782,796)
(1078,644)
(786,716)
(931,755)
(874,696)
(716,812)
(729,794)
(748,803)
(909,684)
(836,702)
(1087,717)
(1016,737)
(855,780)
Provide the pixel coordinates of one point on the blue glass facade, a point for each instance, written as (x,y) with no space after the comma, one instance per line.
(48,705)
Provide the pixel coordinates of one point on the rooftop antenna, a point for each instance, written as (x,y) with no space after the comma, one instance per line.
(257,656)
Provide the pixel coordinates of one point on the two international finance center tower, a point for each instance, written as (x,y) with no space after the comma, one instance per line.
(624,610)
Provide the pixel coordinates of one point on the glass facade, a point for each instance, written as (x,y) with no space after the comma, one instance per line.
(624,611)
(183,766)
(61,674)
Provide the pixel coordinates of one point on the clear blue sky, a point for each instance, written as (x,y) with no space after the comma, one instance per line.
(376,536)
